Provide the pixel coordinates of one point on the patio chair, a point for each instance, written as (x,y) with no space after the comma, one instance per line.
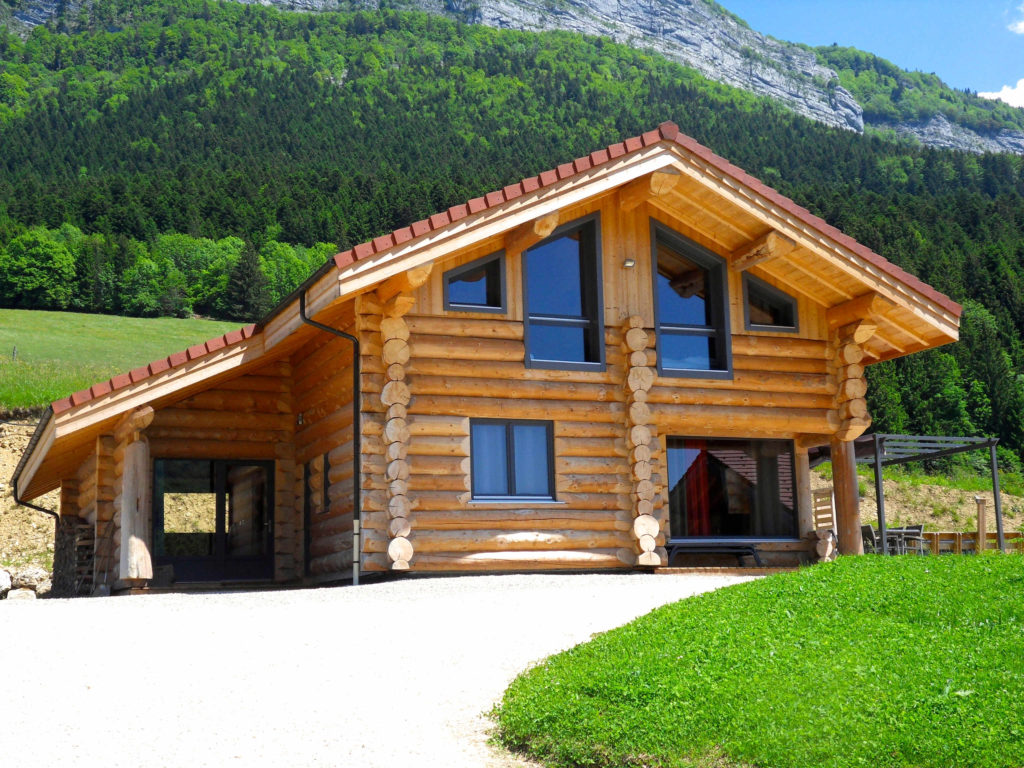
(871,545)
(913,540)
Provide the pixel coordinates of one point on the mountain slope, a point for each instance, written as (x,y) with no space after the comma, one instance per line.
(816,83)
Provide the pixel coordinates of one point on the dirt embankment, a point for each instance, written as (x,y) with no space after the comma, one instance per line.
(26,536)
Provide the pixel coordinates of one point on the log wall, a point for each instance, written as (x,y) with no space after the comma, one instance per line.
(610,426)
(322,404)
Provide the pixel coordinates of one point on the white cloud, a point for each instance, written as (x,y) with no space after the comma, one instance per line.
(1017,27)
(1013,96)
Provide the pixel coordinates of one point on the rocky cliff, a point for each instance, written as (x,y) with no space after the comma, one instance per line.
(698,33)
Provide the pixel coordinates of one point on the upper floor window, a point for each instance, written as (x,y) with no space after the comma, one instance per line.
(478,286)
(562,279)
(767,308)
(690,299)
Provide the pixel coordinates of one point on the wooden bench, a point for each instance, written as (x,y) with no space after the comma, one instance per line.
(692,547)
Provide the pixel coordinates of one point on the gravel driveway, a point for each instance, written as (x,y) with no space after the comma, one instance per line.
(390,674)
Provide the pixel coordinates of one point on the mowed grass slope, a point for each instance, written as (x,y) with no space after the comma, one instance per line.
(870,661)
(61,352)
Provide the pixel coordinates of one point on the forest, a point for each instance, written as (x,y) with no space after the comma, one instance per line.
(193,157)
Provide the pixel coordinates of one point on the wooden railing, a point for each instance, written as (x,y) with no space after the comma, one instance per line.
(964,542)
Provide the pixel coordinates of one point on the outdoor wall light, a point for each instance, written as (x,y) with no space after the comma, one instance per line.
(629,263)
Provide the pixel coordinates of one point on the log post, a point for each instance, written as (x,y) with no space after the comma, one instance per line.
(134,499)
(982,525)
(395,396)
(804,500)
(639,377)
(844,480)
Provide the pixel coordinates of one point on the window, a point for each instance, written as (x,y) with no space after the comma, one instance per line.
(212,519)
(722,488)
(767,308)
(512,459)
(562,285)
(478,286)
(690,299)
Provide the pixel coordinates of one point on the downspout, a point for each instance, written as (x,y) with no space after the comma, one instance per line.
(47,415)
(357,455)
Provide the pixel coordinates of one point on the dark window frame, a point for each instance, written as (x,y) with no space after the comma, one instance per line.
(742,539)
(776,293)
(456,272)
(721,331)
(219,565)
(593,294)
(549,427)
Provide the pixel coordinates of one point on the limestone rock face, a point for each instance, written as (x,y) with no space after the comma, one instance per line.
(692,32)
(21,594)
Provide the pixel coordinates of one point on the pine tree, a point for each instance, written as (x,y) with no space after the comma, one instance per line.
(247,295)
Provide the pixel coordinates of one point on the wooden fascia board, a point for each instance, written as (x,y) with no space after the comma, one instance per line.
(153,388)
(319,296)
(364,274)
(812,239)
(23,489)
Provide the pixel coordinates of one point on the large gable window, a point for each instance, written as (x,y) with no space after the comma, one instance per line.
(691,298)
(562,280)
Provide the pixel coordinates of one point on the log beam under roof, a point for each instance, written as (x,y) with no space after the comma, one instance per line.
(770,245)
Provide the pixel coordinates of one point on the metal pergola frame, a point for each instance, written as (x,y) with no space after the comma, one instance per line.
(890,450)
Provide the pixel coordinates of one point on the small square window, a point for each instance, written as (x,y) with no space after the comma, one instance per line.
(767,308)
(512,460)
(478,286)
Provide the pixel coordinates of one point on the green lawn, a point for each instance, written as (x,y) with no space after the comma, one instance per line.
(869,661)
(61,352)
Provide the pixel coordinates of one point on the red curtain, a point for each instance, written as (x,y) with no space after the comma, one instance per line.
(698,497)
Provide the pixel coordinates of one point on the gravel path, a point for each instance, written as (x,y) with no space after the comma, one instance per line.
(390,674)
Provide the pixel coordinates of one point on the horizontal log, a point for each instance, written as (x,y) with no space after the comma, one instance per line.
(438,445)
(591,465)
(337,563)
(329,545)
(455,482)
(782,364)
(177,417)
(214,400)
(437,425)
(517,561)
(577,430)
(512,389)
(254,383)
(439,465)
(452,348)
(613,484)
(725,397)
(331,525)
(606,447)
(760,381)
(685,419)
(479,407)
(779,346)
(485,369)
(544,518)
(333,428)
(424,541)
(220,435)
(465,327)
(166,448)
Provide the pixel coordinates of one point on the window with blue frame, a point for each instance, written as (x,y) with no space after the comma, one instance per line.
(691,297)
(562,292)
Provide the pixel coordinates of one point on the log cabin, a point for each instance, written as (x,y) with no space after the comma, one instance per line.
(623,358)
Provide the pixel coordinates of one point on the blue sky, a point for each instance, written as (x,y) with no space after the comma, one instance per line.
(976,44)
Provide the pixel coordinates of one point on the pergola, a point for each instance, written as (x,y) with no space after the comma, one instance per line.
(884,450)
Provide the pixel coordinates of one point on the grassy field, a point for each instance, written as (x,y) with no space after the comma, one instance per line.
(61,352)
(867,661)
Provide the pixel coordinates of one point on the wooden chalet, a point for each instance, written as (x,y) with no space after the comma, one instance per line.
(628,354)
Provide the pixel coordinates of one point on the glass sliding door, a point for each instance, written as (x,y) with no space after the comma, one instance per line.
(213,519)
(731,489)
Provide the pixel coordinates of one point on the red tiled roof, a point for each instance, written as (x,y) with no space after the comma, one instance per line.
(665,132)
(136,375)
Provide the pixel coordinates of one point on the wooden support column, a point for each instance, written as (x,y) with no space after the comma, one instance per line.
(105,564)
(640,443)
(134,501)
(805,504)
(395,396)
(844,481)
